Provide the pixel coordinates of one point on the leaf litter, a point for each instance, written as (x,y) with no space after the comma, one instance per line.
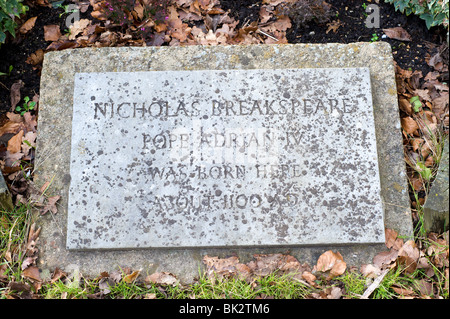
(203,22)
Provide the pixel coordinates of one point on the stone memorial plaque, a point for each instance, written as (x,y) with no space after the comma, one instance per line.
(213,158)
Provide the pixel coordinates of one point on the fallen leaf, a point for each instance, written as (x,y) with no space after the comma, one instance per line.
(330,261)
(28,262)
(425,287)
(409,125)
(265,14)
(3,268)
(50,205)
(397,33)
(309,277)
(32,273)
(52,32)
(13,160)
(28,142)
(57,275)
(14,117)
(30,120)
(23,290)
(162,278)
(416,143)
(335,293)
(385,258)
(36,57)
(436,62)
(10,127)
(28,25)
(370,271)
(77,27)
(42,3)
(62,45)
(15,143)
(15,93)
(131,277)
(405,106)
(220,266)
(408,256)
(391,236)
(402,291)
(33,234)
(333,26)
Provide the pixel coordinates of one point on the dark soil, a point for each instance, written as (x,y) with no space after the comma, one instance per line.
(350,13)
(16,51)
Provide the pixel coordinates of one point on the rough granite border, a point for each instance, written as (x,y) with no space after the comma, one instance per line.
(54,135)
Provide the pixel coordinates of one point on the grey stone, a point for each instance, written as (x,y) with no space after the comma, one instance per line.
(223,158)
(55,134)
(436,208)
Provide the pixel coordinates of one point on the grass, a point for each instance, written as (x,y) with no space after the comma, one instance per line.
(273,286)
(14,227)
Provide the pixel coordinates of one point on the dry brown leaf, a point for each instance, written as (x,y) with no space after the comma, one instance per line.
(309,277)
(416,143)
(408,256)
(57,275)
(391,236)
(277,2)
(220,266)
(425,287)
(162,278)
(405,106)
(265,14)
(417,183)
(19,290)
(15,143)
(131,277)
(436,62)
(330,261)
(10,127)
(28,262)
(333,26)
(370,271)
(15,93)
(33,234)
(32,273)
(42,3)
(3,268)
(423,94)
(77,27)
(28,25)
(52,32)
(36,57)
(186,3)
(28,142)
(13,159)
(50,205)
(397,33)
(14,117)
(30,120)
(402,291)
(409,125)
(385,258)
(335,293)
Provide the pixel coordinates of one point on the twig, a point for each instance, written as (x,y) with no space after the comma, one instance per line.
(267,35)
(375,284)
(4,86)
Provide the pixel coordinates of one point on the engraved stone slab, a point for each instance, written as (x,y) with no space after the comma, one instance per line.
(213,158)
